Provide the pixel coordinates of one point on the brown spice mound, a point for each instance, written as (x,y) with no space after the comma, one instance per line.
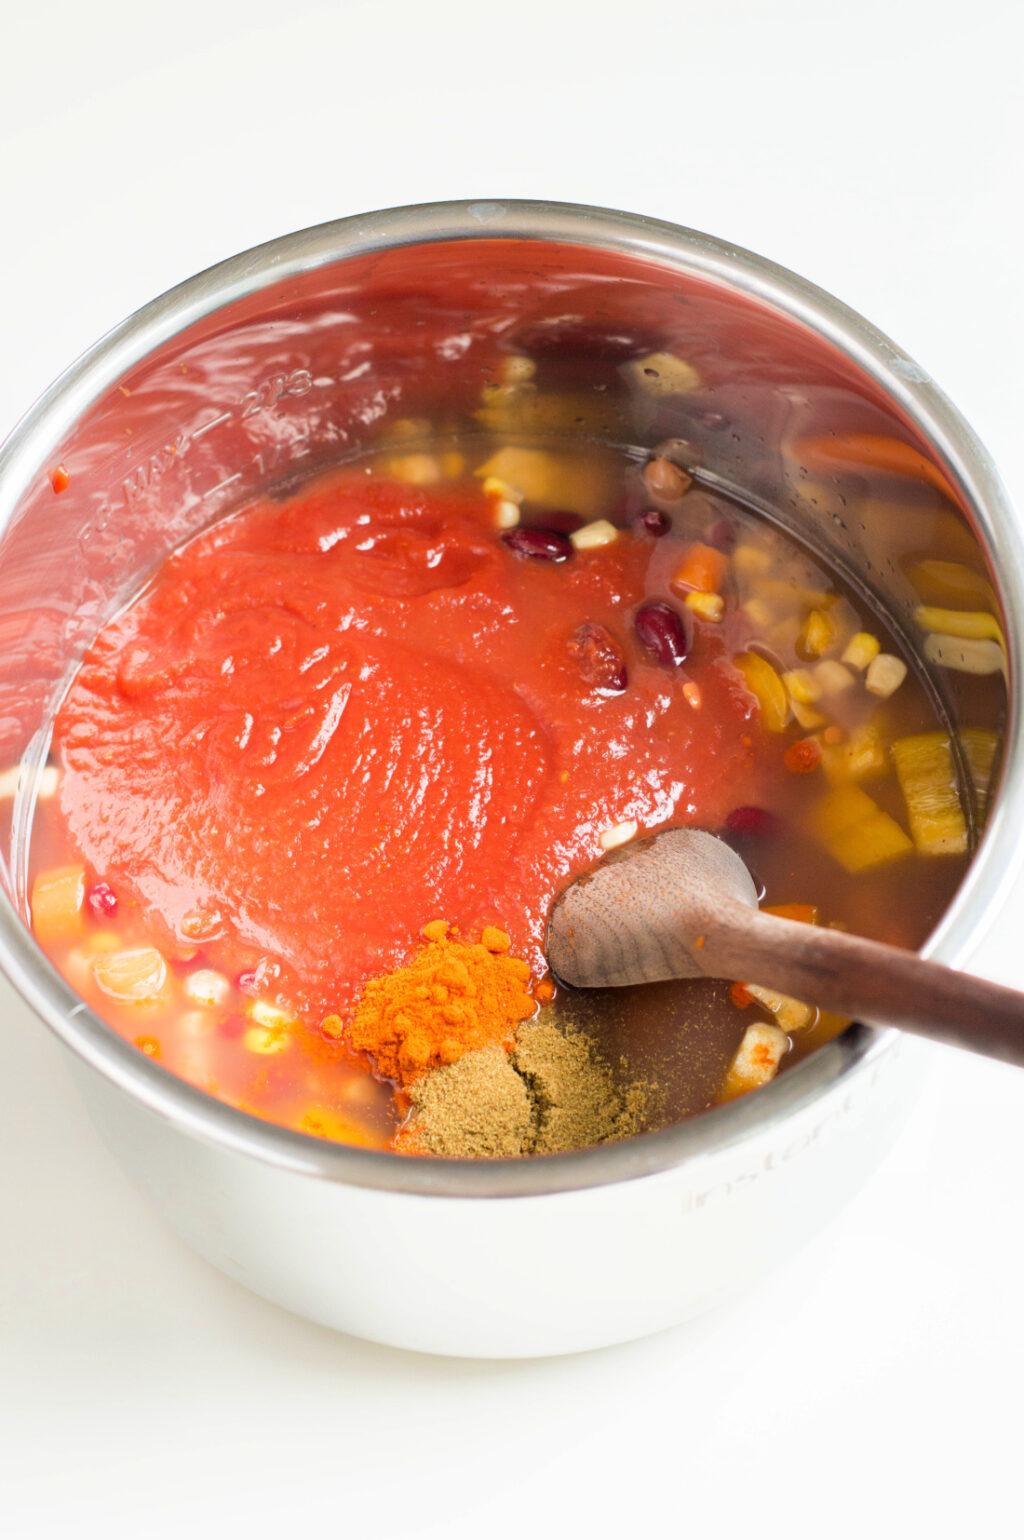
(453,997)
(554,1094)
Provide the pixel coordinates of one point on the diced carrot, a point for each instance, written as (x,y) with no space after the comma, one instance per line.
(701,570)
(740,996)
(806,914)
(877,451)
(803,756)
(59,479)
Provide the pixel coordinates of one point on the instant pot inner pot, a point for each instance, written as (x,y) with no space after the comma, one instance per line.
(314,369)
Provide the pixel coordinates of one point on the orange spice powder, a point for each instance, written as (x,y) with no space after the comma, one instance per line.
(453,997)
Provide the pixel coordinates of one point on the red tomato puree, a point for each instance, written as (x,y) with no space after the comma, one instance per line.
(331,719)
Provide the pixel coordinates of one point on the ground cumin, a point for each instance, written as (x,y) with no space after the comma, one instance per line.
(451,999)
(554,1093)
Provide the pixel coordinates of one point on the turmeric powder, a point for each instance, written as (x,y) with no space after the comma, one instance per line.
(453,997)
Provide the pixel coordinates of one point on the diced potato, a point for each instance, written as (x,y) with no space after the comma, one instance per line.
(662,374)
(57,900)
(792,1015)
(965,656)
(207,987)
(134,975)
(861,757)
(326,1123)
(809,719)
(972,625)
(579,483)
(766,686)
(707,606)
(885,675)
(592,536)
(980,745)
(861,650)
(818,635)
(856,831)
(756,1060)
(833,678)
(758,613)
(928,779)
(802,686)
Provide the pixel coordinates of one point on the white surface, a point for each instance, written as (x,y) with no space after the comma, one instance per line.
(874,1381)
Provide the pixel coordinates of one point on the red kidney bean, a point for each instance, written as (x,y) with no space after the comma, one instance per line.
(664,479)
(665,632)
(721,534)
(756,821)
(539,544)
(655,523)
(102,900)
(569,336)
(599,658)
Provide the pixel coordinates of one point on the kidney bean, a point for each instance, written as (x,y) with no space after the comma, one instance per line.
(539,544)
(655,523)
(665,632)
(664,479)
(721,534)
(756,821)
(102,900)
(599,658)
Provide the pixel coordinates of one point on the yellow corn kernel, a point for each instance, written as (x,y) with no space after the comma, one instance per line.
(818,635)
(206,987)
(496,486)
(707,606)
(833,677)
(965,656)
(416,470)
(927,775)
(951,583)
(802,686)
(662,374)
(979,745)
(269,1015)
(265,1040)
(592,536)
(791,1015)
(618,834)
(885,675)
(861,757)
(750,561)
(861,650)
(57,899)
(856,831)
(809,719)
(506,514)
(134,975)
(971,625)
(765,685)
(326,1123)
(756,1060)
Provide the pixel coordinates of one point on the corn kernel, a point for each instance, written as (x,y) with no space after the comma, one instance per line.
(707,606)
(591,536)
(207,987)
(506,514)
(802,686)
(416,470)
(268,1015)
(834,678)
(692,694)
(885,675)
(618,834)
(265,1040)
(861,650)
(818,635)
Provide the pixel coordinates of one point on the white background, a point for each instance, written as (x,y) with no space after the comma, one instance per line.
(874,1382)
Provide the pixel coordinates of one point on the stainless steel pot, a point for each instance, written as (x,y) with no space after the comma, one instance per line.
(293,354)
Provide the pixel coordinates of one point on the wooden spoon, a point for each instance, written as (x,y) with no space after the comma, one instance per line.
(682,905)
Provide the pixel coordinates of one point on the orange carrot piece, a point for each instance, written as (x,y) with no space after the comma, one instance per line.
(740,996)
(803,756)
(702,570)
(877,451)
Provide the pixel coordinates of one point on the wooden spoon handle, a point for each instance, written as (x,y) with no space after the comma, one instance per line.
(866,980)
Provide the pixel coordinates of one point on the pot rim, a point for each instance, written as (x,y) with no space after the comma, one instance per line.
(996,862)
